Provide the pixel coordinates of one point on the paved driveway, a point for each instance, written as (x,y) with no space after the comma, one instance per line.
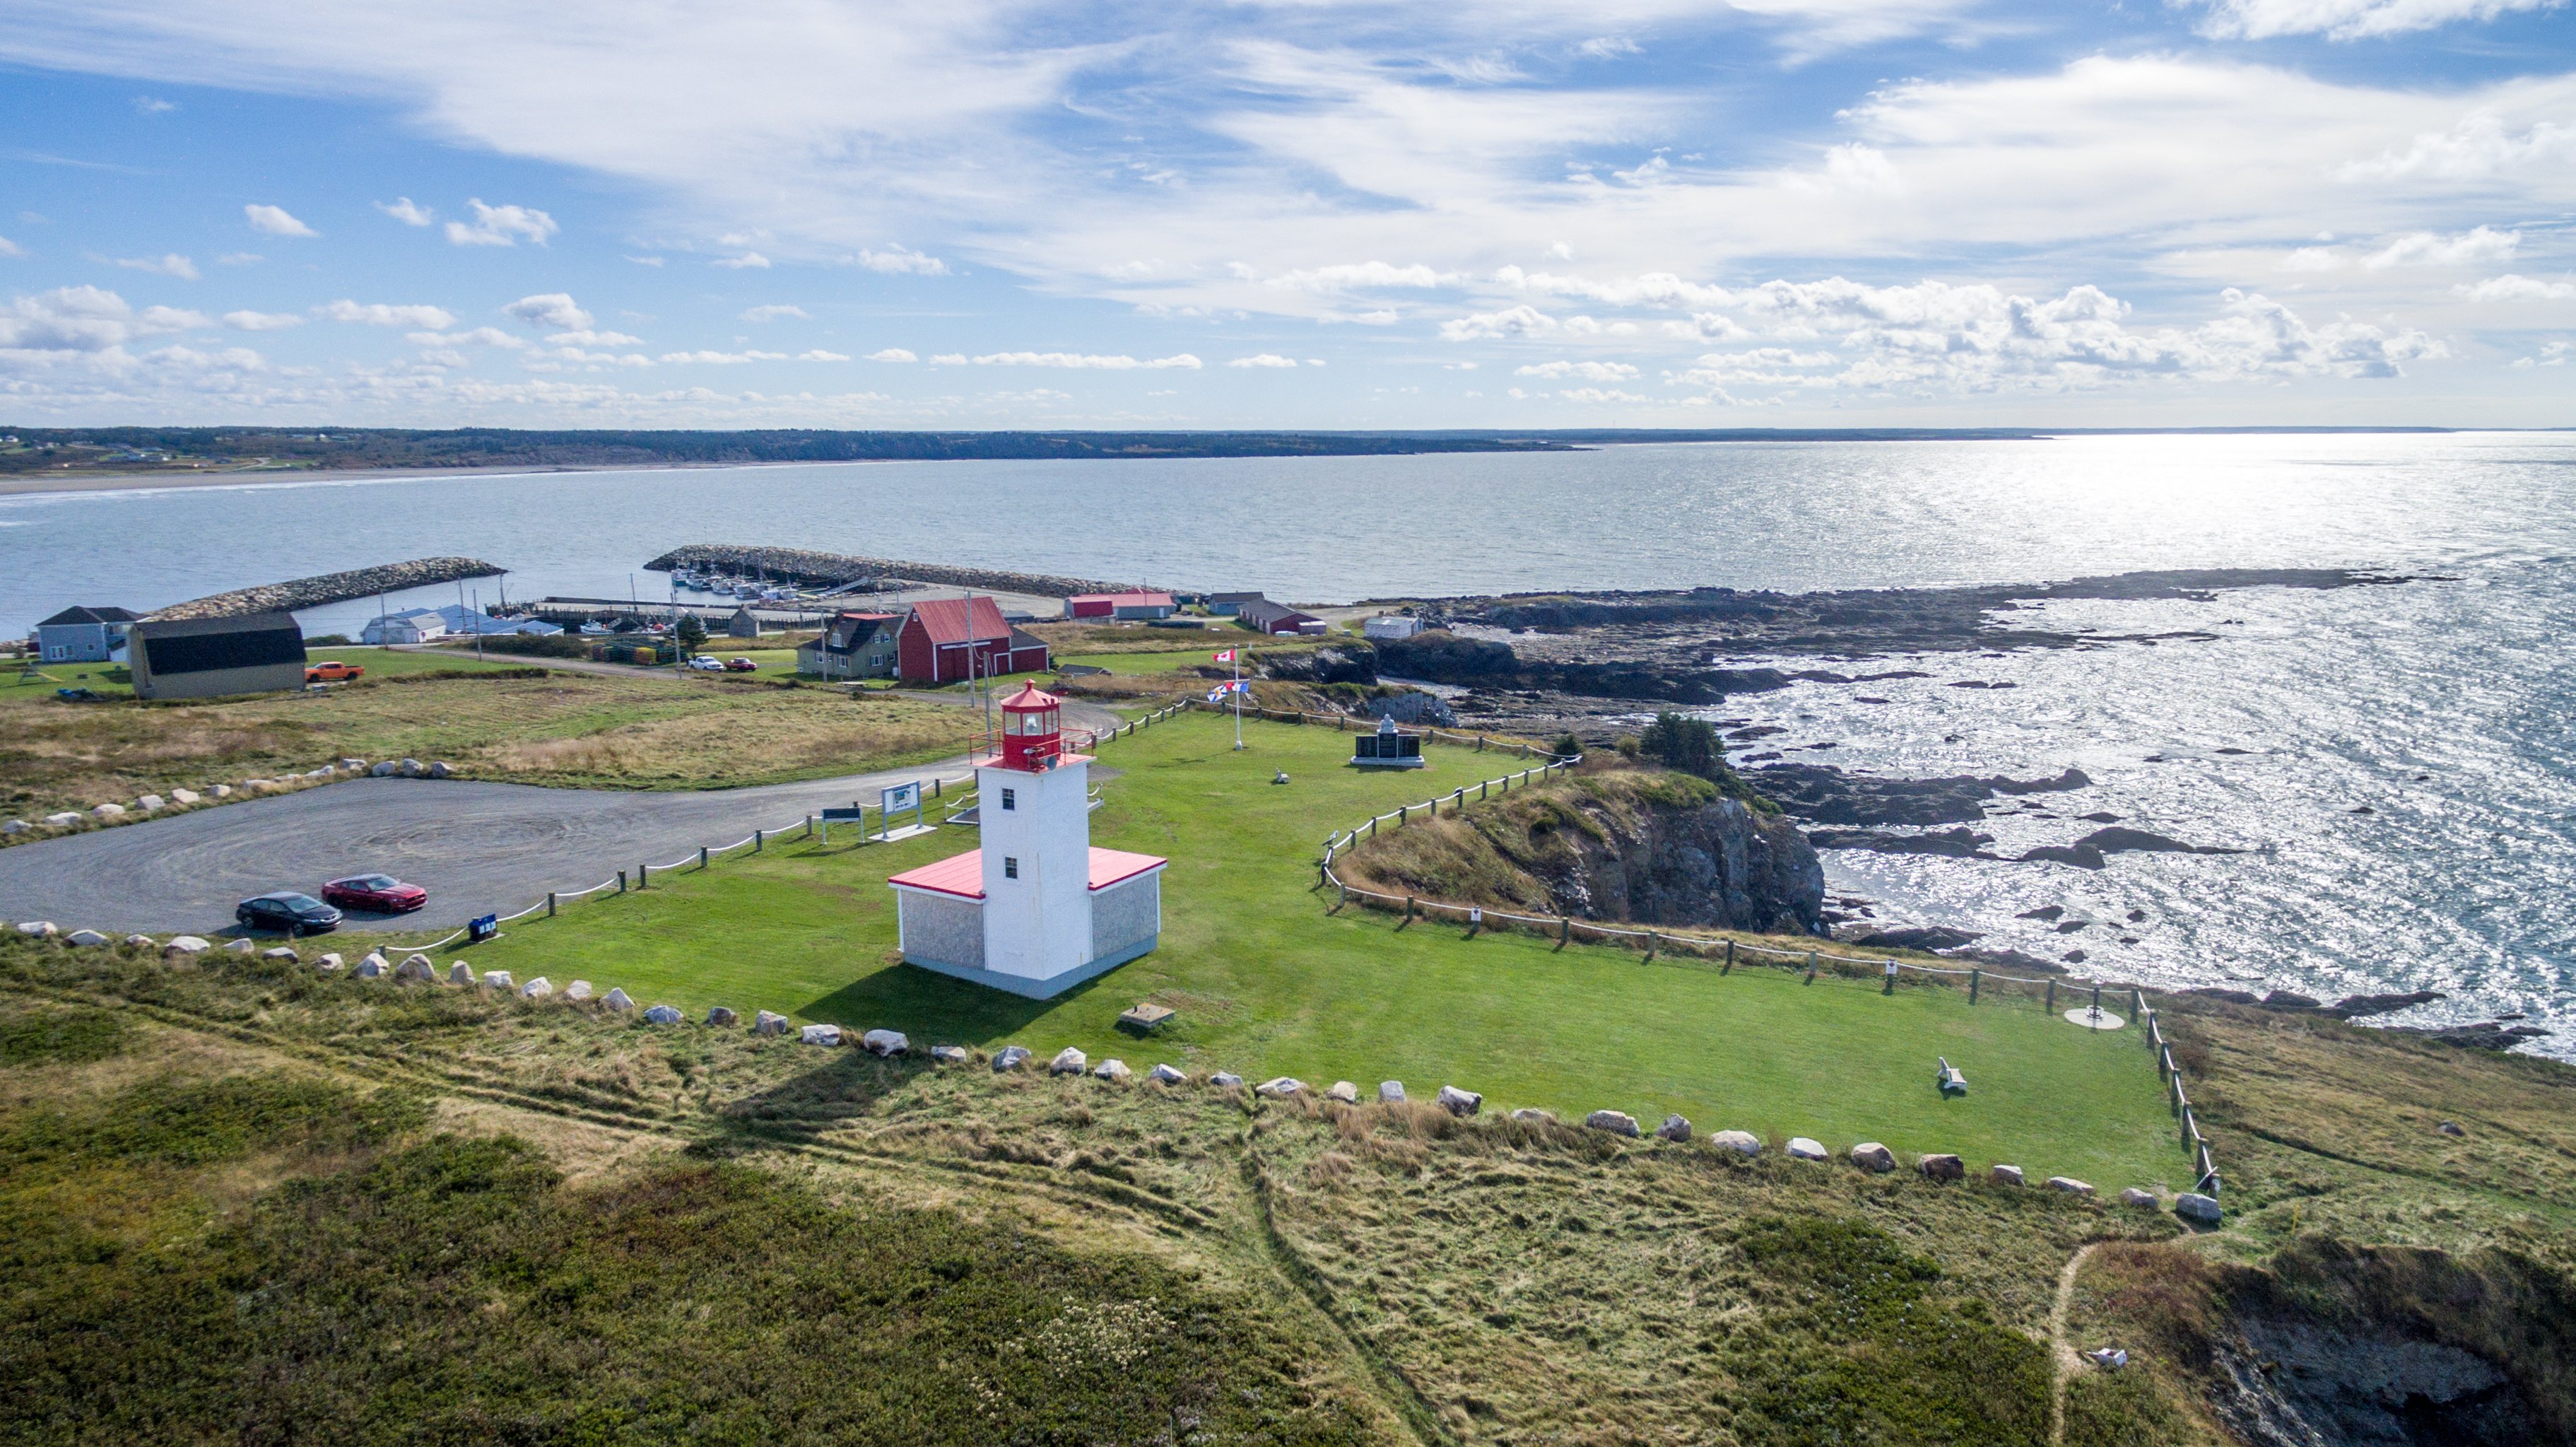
(476,847)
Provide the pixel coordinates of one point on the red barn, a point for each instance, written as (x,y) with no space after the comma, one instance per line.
(948,640)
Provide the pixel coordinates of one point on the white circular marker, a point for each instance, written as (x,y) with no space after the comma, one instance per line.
(2092,1019)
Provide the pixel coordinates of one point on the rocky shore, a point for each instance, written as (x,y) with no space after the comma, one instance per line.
(1555,661)
(798,565)
(329,588)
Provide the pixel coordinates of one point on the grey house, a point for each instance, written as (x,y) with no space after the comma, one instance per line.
(83,635)
(216,657)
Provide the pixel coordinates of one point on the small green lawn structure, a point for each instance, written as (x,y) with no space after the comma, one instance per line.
(1951,1081)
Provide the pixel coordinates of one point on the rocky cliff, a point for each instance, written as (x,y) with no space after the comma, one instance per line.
(1640,845)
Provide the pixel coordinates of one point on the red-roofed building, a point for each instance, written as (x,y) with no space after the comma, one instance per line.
(949,640)
(1133,604)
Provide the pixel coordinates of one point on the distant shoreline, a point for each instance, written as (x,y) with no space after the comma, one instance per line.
(38,485)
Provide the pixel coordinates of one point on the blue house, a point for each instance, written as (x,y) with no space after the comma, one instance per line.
(83,635)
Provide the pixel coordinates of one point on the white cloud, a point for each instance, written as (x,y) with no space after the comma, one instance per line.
(1607,47)
(2482,144)
(585,337)
(1349,276)
(403,210)
(85,319)
(899,260)
(250,321)
(723,359)
(749,260)
(11,248)
(273,221)
(2552,354)
(1936,337)
(892,354)
(477,337)
(1589,371)
(1655,289)
(1596,395)
(2510,287)
(2479,247)
(550,309)
(1519,321)
(819,355)
(645,260)
(153,105)
(172,264)
(502,226)
(1080,360)
(773,312)
(2348,19)
(948,359)
(380,314)
(1266,359)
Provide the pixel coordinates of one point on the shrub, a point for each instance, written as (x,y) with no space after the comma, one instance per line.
(550,645)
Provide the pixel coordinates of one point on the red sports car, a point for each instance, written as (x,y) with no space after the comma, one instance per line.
(375,893)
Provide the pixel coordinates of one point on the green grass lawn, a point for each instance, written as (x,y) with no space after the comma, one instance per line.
(113,681)
(1267,982)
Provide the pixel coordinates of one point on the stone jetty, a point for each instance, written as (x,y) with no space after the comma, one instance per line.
(801,566)
(331,588)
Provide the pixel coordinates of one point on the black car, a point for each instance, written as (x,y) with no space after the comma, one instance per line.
(296,914)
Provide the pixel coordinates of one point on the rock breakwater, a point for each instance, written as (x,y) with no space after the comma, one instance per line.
(329,588)
(802,566)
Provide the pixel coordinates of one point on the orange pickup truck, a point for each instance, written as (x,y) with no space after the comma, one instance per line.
(331,671)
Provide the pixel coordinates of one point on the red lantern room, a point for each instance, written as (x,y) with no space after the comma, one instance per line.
(1032,732)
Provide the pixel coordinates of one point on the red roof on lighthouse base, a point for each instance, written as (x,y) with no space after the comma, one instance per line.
(962,875)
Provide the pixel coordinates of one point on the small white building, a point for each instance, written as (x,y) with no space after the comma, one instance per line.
(464,620)
(1036,909)
(418,625)
(1390,627)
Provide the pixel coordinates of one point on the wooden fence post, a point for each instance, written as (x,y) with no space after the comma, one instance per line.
(1564,931)
(1974,976)
(550,904)
(702,856)
(759,837)
(1811,967)
(621,881)
(643,876)
(1408,912)
(1729,967)
(1652,940)
(2052,995)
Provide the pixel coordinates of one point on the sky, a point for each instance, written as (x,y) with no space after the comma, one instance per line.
(1288,213)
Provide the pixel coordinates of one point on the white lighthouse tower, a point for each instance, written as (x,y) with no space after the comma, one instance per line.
(1035,909)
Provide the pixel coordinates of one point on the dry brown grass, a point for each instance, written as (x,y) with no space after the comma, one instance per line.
(567,728)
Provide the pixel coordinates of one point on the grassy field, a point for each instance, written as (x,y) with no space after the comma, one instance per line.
(500,719)
(1268,982)
(241,1200)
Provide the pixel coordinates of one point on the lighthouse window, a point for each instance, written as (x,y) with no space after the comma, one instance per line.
(1010,799)
(1010,866)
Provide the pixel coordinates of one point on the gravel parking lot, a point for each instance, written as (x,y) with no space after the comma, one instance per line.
(476,847)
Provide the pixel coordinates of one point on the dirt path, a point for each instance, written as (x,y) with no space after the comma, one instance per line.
(2063,1360)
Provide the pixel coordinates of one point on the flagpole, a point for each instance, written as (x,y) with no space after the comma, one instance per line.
(1238,701)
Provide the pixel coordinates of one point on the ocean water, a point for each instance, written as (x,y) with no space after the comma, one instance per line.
(2446,707)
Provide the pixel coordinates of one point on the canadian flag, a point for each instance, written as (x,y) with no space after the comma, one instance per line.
(1225,656)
